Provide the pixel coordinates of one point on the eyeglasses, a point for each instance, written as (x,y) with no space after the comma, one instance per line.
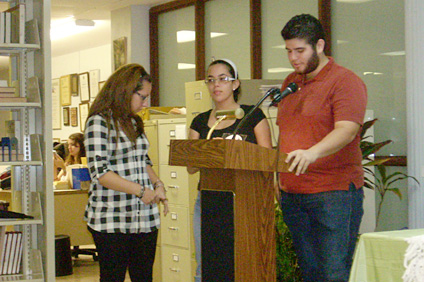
(222,79)
(143,98)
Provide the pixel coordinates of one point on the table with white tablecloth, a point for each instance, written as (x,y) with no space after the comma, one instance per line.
(380,256)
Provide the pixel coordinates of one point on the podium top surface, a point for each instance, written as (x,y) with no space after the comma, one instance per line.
(227,154)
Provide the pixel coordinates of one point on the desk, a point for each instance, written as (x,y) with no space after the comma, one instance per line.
(69,207)
(379,256)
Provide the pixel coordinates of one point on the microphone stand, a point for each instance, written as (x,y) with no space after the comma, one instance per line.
(221,118)
(246,117)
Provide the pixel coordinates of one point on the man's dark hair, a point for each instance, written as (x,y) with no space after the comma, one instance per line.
(304,26)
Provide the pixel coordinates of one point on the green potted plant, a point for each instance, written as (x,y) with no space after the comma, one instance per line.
(287,267)
(378,179)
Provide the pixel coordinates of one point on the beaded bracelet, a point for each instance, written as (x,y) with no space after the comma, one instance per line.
(141,193)
(158,183)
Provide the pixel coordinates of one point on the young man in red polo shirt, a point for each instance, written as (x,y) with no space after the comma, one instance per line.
(319,127)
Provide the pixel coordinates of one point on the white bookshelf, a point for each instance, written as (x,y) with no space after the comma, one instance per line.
(32,178)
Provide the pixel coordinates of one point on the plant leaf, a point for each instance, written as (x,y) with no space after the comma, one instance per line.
(397,192)
(367,126)
(373,148)
(377,162)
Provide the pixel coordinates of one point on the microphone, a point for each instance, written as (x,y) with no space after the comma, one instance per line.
(291,88)
(225,114)
(230,114)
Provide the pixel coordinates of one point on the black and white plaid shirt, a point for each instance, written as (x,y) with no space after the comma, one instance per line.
(108,210)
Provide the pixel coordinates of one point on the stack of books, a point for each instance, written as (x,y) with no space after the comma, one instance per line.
(11,252)
(12,25)
(8,95)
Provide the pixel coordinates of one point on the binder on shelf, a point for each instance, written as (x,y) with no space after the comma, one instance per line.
(18,254)
(17,21)
(2,241)
(2,30)
(7,27)
(33,90)
(32,36)
(12,253)
(35,141)
(6,253)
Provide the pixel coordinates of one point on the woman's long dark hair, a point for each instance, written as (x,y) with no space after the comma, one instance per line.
(114,99)
(78,138)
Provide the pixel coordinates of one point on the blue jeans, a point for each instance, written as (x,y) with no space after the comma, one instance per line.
(324,228)
(197,238)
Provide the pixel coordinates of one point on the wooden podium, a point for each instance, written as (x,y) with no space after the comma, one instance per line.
(238,217)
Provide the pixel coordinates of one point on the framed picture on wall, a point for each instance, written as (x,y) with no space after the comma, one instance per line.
(84,86)
(66,116)
(74,116)
(65,90)
(56,103)
(83,114)
(119,52)
(74,84)
(94,83)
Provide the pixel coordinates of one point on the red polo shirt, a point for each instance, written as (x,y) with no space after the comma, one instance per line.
(307,116)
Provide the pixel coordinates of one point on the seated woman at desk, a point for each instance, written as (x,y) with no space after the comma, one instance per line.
(76,152)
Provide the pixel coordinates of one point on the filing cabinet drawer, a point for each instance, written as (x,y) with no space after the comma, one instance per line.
(175,227)
(150,129)
(167,132)
(176,265)
(175,179)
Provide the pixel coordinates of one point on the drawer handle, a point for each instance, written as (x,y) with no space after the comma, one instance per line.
(173,228)
(173,186)
(174,269)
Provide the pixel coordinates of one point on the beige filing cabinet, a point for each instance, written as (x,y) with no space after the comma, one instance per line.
(175,245)
(150,128)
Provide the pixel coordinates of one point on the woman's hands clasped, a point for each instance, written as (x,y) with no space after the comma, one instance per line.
(156,196)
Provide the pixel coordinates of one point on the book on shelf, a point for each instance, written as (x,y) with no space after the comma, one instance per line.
(11,253)
(7,90)
(11,257)
(6,253)
(18,254)
(2,22)
(13,100)
(33,90)
(7,27)
(7,95)
(32,36)
(17,20)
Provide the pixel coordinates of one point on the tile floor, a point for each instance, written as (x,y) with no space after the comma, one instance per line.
(85,269)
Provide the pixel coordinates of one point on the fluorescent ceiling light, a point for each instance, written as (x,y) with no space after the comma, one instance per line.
(183,66)
(190,35)
(395,53)
(217,34)
(66,27)
(279,46)
(185,36)
(278,70)
(372,73)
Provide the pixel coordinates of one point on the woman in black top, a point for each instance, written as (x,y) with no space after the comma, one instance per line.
(224,88)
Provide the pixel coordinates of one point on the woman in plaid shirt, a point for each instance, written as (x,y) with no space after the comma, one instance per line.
(122,211)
